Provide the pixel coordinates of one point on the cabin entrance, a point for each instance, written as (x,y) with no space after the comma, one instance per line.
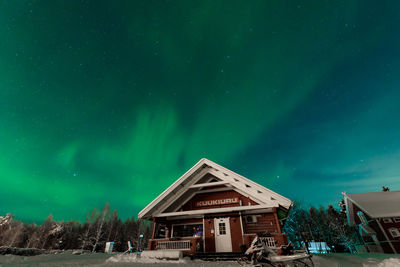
(223,240)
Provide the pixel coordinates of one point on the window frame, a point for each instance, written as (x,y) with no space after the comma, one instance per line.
(222,228)
(177,224)
(394,230)
(387,220)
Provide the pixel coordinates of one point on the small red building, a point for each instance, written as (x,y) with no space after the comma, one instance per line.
(377,216)
(212,209)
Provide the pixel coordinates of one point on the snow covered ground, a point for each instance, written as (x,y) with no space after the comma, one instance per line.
(104,260)
(362,260)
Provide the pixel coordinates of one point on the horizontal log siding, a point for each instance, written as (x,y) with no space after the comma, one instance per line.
(265,222)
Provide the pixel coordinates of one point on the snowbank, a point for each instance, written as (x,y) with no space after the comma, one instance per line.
(150,257)
(162,254)
(392,262)
(360,260)
(119,260)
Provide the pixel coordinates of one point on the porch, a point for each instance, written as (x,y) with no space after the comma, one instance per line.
(195,245)
(188,245)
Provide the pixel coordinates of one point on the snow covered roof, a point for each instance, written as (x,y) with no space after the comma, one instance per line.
(5,219)
(191,182)
(378,204)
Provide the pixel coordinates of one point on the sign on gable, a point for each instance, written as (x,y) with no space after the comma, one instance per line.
(217,202)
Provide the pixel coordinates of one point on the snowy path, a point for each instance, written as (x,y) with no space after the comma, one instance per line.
(103,260)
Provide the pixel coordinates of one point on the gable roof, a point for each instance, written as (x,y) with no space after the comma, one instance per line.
(190,183)
(378,204)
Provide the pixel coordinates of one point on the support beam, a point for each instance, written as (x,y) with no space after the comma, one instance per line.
(218,210)
(387,238)
(209,184)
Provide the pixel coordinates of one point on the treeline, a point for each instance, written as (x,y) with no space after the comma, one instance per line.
(99,228)
(321,225)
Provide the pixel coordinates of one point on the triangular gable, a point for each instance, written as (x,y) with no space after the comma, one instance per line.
(218,197)
(209,185)
(194,180)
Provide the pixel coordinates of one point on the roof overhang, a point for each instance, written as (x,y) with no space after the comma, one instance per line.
(188,181)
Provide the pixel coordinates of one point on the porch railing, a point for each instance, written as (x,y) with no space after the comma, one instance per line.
(174,245)
(269,241)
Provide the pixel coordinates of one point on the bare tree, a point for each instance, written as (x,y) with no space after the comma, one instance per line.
(100,223)
(17,232)
(343,234)
(32,236)
(113,224)
(85,237)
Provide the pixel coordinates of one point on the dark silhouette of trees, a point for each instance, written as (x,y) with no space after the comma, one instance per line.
(99,228)
(341,231)
(320,225)
(302,226)
(295,226)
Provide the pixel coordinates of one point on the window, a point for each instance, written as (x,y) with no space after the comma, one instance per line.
(397,219)
(394,232)
(387,220)
(186,230)
(222,228)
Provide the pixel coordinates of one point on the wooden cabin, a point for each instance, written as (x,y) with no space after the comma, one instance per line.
(377,216)
(213,209)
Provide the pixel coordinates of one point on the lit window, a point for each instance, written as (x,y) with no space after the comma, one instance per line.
(387,220)
(397,219)
(394,232)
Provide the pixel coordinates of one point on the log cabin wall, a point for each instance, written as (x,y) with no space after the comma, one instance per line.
(236,233)
(264,222)
(209,235)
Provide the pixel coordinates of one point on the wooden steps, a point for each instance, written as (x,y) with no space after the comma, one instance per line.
(218,256)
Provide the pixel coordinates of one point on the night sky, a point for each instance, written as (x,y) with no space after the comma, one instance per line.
(114,100)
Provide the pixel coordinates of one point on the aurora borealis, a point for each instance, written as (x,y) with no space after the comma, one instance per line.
(114,100)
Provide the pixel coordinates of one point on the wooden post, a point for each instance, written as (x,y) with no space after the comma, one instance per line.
(154,228)
(274,210)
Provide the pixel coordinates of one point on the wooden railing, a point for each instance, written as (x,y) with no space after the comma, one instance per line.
(269,241)
(273,241)
(174,245)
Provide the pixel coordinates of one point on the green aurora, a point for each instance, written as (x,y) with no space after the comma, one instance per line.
(114,100)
